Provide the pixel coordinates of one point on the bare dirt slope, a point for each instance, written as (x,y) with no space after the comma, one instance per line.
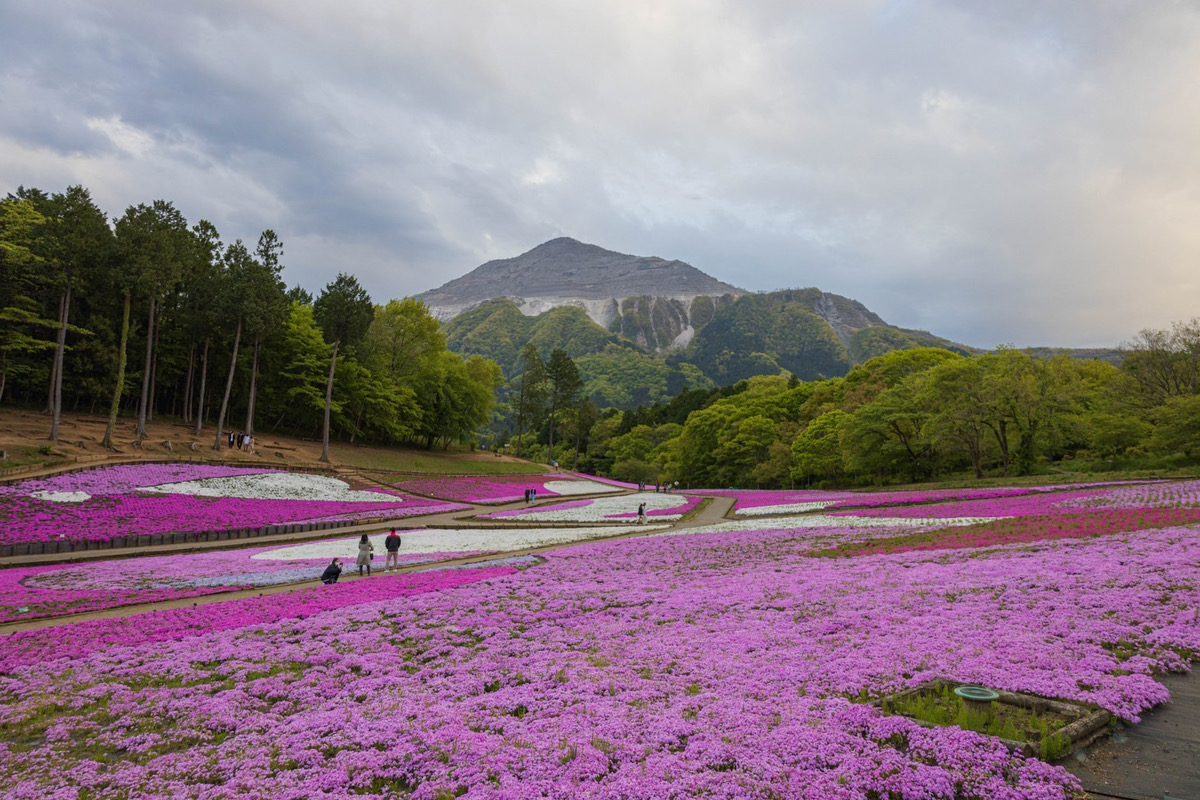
(23,432)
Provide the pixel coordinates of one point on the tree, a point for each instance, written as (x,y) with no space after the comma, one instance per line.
(402,340)
(531,390)
(235,280)
(202,286)
(344,313)
(21,279)
(1165,364)
(266,306)
(154,245)
(817,451)
(563,386)
(81,244)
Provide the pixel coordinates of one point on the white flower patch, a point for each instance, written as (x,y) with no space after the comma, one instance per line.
(579,487)
(274,486)
(602,509)
(786,508)
(61,497)
(826,521)
(463,540)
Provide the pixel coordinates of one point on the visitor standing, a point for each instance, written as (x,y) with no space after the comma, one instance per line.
(365,549)
(232,439)
(392,545)
(642,513)
(332,572)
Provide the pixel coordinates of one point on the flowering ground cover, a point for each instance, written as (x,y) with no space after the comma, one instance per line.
(659,507)
(726,664)
(795,501)
(1030,528)
(501,489)
(147,499)
(47,591)
(40,646)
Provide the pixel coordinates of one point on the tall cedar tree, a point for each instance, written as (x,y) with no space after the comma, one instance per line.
(344,313)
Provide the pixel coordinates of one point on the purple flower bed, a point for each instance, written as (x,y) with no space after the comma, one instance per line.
(48,591)
(724,664)
(1040,503)
(485,489)
(112,509)
(41,646)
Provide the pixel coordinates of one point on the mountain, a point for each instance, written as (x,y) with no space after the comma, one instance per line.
(642,329)
(651,301)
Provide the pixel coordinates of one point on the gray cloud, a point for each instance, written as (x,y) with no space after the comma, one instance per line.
(1016,173)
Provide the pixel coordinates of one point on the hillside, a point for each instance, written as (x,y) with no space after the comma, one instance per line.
(644,328)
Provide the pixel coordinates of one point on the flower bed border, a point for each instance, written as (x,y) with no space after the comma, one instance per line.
(183,537)
(1089,723)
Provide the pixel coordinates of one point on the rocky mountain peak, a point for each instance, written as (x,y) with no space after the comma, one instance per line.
(565,271)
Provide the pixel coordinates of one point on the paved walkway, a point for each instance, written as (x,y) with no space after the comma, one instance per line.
(1157,759)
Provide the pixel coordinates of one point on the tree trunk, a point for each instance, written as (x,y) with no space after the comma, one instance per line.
(54,365)
(203,381)
(141,422)
(56,383)
(237,338)
(328,404)
(189,385)
(153,373)
(253,386)
(121,360)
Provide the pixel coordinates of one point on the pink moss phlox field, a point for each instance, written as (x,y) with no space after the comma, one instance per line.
(125,478)
(717,664)
(19,602)
(483,489)
(87,637)
(111,510)
(761,498)
(47,591)
(1041,528)
(1185,494)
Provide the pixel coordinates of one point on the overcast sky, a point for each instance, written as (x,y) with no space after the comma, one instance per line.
(1011,172)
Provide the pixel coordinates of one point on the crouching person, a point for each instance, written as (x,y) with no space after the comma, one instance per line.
(332,572)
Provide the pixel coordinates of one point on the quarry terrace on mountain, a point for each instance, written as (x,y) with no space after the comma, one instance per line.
(605,284)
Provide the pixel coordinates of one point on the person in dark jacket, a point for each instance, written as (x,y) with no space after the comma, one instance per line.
(391,544)
(332,572)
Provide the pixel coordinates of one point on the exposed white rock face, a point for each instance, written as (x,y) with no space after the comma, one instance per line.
(670,331)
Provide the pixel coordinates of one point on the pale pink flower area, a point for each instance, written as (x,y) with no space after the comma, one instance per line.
(720,664)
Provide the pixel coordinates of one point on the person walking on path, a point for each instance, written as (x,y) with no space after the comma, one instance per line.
(392,545)
(365,550)
(642,514)
(332,572)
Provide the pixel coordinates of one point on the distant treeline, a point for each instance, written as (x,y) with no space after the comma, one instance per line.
(911,415)
(146,315)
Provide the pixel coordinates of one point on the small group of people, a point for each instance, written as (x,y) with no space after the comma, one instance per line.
(530,496)
(642,513)
(242,441)
(366,552)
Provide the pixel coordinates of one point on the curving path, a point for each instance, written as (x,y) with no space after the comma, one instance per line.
(707,513)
